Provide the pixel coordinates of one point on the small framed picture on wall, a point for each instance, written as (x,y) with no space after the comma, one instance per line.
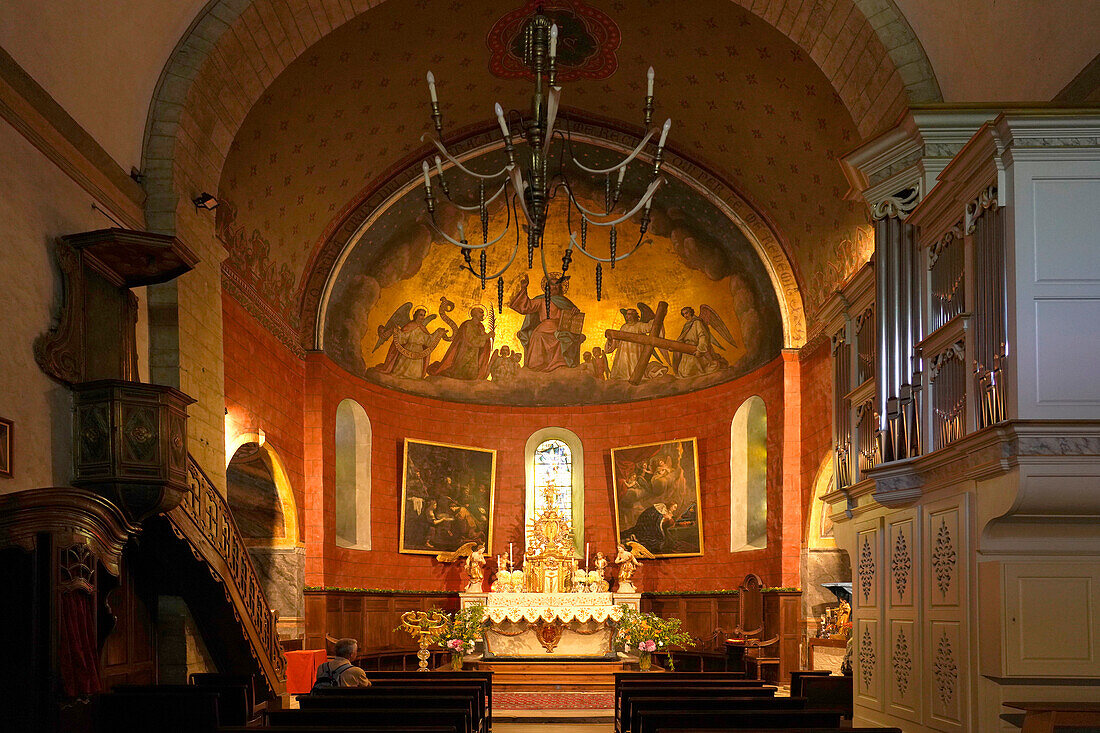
(7,444)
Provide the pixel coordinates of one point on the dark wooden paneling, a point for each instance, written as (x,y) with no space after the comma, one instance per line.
(129,652)
(371,619)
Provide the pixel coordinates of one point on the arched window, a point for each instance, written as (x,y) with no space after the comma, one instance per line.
(749,476)
(353,453)
(554,457)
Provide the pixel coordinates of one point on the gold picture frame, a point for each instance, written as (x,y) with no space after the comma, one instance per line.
(7,446)
(447,497)
(657,496)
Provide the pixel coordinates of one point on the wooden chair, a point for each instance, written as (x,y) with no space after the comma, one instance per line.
(750,626)
(798,675)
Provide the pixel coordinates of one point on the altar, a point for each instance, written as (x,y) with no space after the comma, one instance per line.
(551,608)
(550,625)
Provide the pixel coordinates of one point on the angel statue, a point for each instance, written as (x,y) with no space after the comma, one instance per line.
(412,343)
(474,564)
(697,332)
(627,560)
(596,581)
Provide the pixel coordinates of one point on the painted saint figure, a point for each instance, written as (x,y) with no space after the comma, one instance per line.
(411,344)
(627,354)
(697,332)
(551,340)
(471,346)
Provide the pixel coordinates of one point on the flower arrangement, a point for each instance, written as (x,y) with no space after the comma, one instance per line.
(459,632)
(648,633)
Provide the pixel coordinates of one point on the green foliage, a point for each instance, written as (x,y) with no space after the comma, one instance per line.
(461,630)
(637,628)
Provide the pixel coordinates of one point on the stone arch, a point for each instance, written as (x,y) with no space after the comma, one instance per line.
(341,235)
(816,538)
(749,476)
(234,49)
(288,504)
(354,442)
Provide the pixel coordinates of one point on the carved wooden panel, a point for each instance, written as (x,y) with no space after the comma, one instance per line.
(946,635)
(902,581)
(868,562)
(867,662)
(903,684)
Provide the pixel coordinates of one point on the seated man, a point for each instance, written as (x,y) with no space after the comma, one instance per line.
(338,671)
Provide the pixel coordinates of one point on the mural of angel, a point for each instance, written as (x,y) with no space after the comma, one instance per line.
(627,560)
(697,332)
(551,339)
(471,346)
(411,344)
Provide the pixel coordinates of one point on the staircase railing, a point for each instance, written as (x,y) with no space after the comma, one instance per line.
(203,519)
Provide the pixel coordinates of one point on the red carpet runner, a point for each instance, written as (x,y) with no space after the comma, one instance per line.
(553,700)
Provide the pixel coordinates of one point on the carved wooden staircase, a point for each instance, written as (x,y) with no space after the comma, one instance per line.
(205,523)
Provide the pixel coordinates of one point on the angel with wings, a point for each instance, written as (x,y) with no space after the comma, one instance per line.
(699,331)
(412,344)
(474,565)
(627,560)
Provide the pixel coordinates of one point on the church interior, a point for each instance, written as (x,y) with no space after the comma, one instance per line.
(315,331)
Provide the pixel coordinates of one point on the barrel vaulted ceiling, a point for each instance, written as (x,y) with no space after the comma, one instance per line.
(746,101)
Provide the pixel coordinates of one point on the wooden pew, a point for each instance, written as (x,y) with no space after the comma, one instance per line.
(412,698)
(777,730)
(400,728)
(833,692)
(631,691)
(146,712)
(254,709)
(798,675)
(397,718)
(679,681)
(234,699)
(409,680)
(654,720)
(639,707)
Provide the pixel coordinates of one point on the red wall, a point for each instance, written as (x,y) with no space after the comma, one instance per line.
(264,386)
(395,416)
(295,401)
(817,423)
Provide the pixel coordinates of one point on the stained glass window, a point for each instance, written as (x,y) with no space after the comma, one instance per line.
(554,467)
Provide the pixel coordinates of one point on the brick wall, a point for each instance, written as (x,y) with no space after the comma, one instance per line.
(295,402)
(396,416)
(264,386)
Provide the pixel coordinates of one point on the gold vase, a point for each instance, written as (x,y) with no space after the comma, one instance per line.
(645,661)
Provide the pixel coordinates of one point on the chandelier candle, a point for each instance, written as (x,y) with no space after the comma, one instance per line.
(538,182)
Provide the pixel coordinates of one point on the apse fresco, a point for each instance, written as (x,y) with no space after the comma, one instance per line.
(404,315)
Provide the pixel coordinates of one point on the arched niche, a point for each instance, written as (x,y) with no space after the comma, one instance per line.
(749,476)
(259,493)
(819,534)
(353,476)
(576,454)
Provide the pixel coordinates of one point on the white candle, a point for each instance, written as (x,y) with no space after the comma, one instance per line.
(553,40)
(586,555)
(664,133)
(431,87)
(622,175)
(509,553)
(500,119)
(461,232)
(438,166)
(649,82)
(427,181)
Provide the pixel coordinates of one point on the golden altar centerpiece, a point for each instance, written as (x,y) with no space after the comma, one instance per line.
(550,608)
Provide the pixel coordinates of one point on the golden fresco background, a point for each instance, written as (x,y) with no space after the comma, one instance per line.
(692,255)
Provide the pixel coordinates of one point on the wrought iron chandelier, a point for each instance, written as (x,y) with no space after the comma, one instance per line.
(534,180)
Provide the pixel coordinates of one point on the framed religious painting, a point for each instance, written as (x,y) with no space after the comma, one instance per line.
(657,501)
(446,497)
(7,446)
